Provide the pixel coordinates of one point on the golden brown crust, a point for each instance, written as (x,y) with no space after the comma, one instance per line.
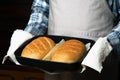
(38,48)
(70,51)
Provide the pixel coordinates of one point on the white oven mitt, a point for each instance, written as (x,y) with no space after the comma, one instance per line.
(97,54)
(18,37)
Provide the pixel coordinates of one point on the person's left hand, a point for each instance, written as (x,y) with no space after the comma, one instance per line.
(97,54)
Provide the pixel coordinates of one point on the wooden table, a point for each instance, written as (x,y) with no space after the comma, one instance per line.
(14,72)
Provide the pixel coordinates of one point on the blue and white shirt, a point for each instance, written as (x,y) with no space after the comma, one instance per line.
(38,21)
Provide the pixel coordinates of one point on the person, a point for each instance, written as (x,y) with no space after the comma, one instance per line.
(38,23)
(89,19)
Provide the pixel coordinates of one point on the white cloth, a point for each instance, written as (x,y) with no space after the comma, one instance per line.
(18,37)
(80,18)
(97,54)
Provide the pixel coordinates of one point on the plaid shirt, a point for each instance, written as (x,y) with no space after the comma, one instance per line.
(38,21)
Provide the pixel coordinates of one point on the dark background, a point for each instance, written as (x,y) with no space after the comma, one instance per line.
(14,14)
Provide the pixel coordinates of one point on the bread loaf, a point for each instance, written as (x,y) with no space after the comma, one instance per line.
(38,48)
(70,51)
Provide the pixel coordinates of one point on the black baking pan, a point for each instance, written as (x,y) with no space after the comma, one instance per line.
(50,66)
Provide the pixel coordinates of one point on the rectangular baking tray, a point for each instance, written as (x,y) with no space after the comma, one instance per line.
(49,66)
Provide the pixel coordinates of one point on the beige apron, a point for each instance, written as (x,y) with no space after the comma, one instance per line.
(89,19)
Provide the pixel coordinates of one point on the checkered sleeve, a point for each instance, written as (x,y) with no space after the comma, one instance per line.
(114,36)
(38,22)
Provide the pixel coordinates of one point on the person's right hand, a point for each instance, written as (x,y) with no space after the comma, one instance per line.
(18,38)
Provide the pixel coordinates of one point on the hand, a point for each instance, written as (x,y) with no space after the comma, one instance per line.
(97,54)
(18,37)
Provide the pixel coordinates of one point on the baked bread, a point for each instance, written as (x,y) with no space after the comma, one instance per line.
(70,51)
(38,48)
